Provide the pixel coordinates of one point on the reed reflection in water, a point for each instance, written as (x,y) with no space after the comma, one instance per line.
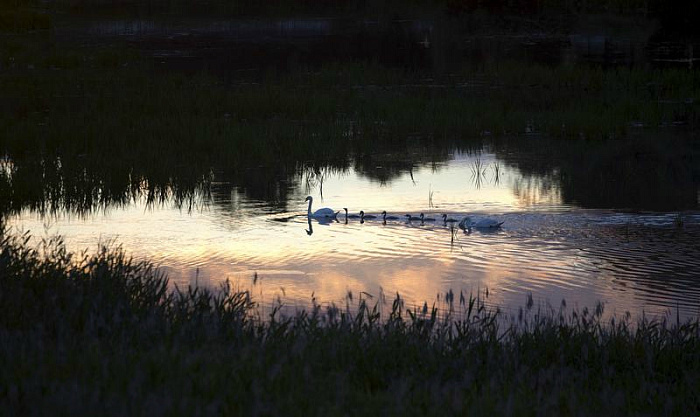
(631,262)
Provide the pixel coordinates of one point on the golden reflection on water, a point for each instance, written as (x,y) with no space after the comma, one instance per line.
(545,247)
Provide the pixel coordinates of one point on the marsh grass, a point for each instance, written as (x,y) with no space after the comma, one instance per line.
(497,170)
(91,100)
(99,121)
(679,221)
(390,7)
(126,111)
(114,103)
(84,334)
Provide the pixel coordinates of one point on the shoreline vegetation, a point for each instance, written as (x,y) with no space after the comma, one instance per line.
(115,102)
(85,334)
(109,125)
(83,127)
(396,7)
(100,334)
(114,99)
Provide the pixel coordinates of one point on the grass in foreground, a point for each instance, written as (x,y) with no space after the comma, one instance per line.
(99,334)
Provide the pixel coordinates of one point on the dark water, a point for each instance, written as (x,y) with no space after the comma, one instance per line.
(586,221)
(621,229)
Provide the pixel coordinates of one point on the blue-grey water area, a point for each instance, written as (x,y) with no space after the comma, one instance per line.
(561,238)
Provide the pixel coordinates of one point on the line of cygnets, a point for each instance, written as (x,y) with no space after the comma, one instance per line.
(464,224)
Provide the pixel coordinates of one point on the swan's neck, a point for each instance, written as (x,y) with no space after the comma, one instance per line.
(308,212)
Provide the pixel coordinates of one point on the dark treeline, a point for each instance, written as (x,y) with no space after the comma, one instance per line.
(655,172)
(85,128)
(679,11)
(99,134)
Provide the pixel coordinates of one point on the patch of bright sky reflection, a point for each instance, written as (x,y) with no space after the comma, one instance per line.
(546,248)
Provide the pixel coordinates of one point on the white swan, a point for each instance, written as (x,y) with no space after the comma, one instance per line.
(322,213)
(385,217)
(487,223)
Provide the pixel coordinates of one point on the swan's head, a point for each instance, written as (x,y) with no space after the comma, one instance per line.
(362,213)
(384,213)
(421,216)
(309,198)
(346,210)
(444,217)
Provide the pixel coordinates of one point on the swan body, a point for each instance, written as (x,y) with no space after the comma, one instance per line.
(364,216)
(465,223)
(322,213)
(487,224)
(491,224)
(425,219)
(385,217)
(410,218)
(350,216)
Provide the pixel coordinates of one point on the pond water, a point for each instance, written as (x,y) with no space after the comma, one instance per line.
(583,221)
(549,246)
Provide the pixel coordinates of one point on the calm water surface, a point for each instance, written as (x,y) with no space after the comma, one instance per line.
(636,262)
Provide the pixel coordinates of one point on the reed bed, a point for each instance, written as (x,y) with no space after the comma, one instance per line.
(450,7)
(86,127)
(100,334)
(107,106)
(115,102)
